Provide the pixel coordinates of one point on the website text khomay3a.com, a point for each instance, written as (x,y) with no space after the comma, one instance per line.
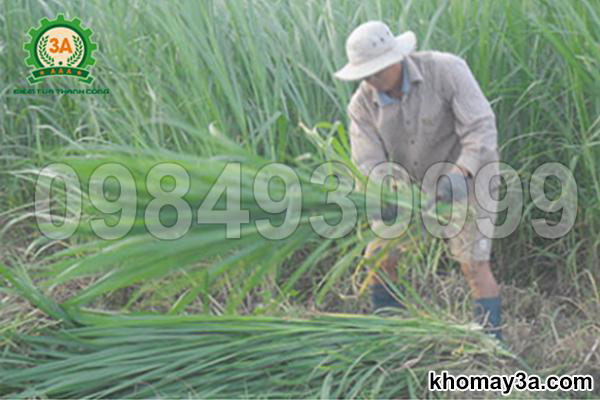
(505,384)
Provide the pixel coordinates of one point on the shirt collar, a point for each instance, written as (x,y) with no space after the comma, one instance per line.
(413,71)
(410,73)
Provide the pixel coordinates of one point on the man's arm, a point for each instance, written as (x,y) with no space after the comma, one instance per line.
(366,145)
(475,120)
(368,150)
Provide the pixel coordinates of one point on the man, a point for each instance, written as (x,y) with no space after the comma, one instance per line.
(418,109)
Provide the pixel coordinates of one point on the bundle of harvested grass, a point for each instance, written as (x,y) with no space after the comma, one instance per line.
(329,356)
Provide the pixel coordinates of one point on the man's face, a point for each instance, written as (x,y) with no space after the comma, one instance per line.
(386,79)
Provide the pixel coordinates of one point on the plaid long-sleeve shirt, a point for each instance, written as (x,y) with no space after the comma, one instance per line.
(442,116)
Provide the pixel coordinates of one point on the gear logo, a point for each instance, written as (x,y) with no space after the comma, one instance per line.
(60,48)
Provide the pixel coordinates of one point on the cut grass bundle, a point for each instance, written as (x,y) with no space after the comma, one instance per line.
(328,356)
(205,253)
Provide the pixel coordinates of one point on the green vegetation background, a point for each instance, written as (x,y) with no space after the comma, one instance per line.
(255,70)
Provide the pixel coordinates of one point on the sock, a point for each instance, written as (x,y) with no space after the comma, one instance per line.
(489,308)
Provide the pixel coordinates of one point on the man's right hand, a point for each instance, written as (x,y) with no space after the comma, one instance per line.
(452,184)
(389,212)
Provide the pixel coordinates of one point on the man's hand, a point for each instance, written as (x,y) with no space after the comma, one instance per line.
(389,212)
(455,182)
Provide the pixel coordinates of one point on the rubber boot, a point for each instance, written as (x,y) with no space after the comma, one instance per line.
(382,298)
(489,310)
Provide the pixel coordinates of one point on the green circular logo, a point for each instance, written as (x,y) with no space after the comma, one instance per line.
(60,47)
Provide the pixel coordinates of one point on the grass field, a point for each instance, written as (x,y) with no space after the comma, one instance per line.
(201,83)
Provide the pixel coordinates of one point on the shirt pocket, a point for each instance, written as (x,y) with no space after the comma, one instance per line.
(434,116)
(428,120)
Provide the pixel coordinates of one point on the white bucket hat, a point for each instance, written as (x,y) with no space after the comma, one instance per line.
(371,47)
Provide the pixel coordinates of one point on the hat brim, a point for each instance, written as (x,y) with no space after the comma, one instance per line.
(404,44)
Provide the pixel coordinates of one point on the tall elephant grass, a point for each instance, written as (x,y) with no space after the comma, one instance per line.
(256,69)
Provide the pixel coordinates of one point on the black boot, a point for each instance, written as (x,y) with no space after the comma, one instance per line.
(382,298)
(489,310)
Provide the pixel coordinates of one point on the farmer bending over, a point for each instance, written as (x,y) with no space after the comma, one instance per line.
(418,109)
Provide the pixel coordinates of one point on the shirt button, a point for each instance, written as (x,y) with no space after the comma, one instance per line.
(407,123)
(415,163)
(412,142)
